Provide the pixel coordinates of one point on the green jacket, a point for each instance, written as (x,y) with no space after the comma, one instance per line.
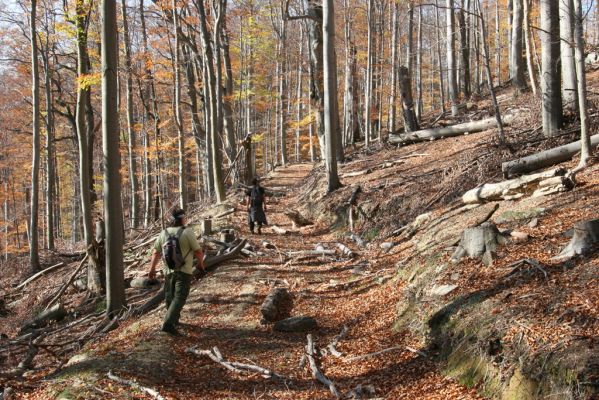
(188,243)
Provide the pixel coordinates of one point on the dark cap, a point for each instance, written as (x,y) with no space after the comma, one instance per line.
(178,213)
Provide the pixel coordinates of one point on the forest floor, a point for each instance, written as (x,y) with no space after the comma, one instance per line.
(513,322)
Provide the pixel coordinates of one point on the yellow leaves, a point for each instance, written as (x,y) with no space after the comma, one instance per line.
(258,137)
(88,80)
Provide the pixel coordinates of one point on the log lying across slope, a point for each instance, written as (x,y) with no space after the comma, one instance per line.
(543,159)
(449,131)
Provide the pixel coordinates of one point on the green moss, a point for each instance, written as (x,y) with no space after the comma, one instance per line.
(101,306)
(371,234)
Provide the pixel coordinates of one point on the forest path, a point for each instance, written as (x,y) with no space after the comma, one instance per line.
(223,311)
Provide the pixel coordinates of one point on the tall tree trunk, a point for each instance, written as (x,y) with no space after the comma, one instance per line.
(182,160)
(566,29)
(419,106)
(34,261)
(464,50)
(451,62)
(316,61)
(151,113)
(368,83)
(551,67)
(497,44)
(228,124)
(585,140)
(394,64)
(298,98)
(131,143)
(50,153)
(283,99)
(516,46)
(330,94)
(529,55)
(439,58)
(407,102)
(115,287)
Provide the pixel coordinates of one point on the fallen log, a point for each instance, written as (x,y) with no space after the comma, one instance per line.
(346,251)
(539,184)
(311,253)
(68,282)
(449,131)
(55,313)
(356,173)
(155,300)
(543,159)
(276,306)
(316,373)
(39,274)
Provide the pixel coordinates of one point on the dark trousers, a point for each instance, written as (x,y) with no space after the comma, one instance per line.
(176,290)
(252,224)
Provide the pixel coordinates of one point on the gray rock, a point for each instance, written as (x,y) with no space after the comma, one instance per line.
(442,290)
(144,283)
(296,324)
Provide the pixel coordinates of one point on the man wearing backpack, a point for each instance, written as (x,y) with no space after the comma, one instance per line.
(256,206)
(176,245)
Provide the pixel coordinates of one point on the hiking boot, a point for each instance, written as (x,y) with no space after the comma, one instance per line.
(259,230)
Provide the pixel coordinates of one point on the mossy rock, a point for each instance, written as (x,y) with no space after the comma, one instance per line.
(511,215)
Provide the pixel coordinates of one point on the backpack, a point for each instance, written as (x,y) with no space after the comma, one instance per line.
(171,250)
(256,196)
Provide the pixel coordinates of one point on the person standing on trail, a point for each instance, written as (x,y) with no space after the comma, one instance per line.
(256,206)
(175,246)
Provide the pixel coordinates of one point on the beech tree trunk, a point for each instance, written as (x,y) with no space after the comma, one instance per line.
(567,45)
(529,53)
(50,150)
(368,83)
(409,115)
(464,50)
(34,262)
(131,143)
(451,61)
(516,46)
(550,57)
(585,140)
(115,287)
(331,114)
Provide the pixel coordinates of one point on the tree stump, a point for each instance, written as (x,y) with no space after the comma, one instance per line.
(480,241)
(297,219)
(277,305)
(586,234)
(206,228)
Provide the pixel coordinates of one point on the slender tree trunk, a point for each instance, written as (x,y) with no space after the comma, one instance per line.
(330,94)
(368,83)
(585,140)
(50,153)
(394,64)
(451,62)
(497,44)
(283,100)
(529,55)
(487,57)
(439,58)
(410,121)
(550,79)
(34,262)
(566,28)
(464,50)
(228,124)
(298,94)
(182,160)
(131,144)
(115,288)
(419,106)
(316,61)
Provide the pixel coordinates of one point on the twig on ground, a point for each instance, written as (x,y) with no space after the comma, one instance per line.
(333,345)
(316,373)
(152,392)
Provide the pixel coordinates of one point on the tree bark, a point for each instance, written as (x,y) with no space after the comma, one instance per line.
(368,83)
(115,288)
(331,114)
(131,143)
(567,45)
(50,150)
(585,140)
(451,62)
(516,46)
(409,115)
(464,50)
(551,66)
(34,262)
(529,53)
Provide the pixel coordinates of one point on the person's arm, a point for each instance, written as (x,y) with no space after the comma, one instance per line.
(265,199)
(153,263)
(199,254)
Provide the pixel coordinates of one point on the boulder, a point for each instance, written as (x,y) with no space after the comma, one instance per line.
(296,324)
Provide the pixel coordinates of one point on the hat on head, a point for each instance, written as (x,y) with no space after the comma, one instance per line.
(178,213)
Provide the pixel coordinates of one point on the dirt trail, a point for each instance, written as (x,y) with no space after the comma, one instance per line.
(223,311)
